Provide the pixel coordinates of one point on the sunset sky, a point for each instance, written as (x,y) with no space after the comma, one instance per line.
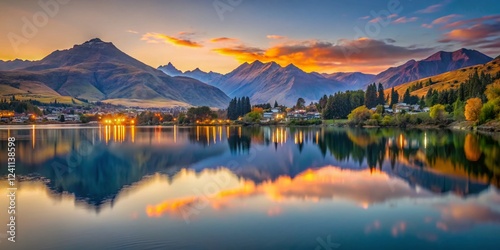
(218,35)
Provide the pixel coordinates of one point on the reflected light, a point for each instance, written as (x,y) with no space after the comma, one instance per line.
(361,187)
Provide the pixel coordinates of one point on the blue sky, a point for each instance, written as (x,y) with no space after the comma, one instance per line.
(318,35)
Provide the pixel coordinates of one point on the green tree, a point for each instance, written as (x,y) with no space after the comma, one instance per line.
(300,103)
(394,97)
(231,110)
(407,96)
(359,115)
(438,112)
(488,112)
(459,110)
(371,99)
(381,96)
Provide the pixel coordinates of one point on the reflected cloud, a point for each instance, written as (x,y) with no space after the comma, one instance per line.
(364,188)
(398,228)
(462,216)
(376,225)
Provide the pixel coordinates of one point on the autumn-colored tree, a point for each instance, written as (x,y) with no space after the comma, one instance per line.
(258,110)
(471,148)
(473,109)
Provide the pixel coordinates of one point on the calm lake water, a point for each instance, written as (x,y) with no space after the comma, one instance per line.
(252,188)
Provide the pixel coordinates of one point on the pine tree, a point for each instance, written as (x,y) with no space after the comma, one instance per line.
(248,106)
(276,104)
(406,96)
(238,107)
(381,96)
(394,97)
(328,110)
(231,110)
(461,92)
(371,98)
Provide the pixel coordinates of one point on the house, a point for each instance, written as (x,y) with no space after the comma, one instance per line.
(73,118)
(303,115)
(273,115)
(313,115)
(52,117)
(414,108)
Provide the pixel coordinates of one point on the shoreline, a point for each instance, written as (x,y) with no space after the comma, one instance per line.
(490,127)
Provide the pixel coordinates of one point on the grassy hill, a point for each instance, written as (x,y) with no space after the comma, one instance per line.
(448,80)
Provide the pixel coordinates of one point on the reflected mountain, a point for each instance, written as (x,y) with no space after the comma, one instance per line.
(97,164)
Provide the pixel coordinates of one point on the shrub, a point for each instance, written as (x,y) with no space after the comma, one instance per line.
(253,116)
(487,112)
(372,122)
(438,112)
(387,121)
(423,118)
(359,115)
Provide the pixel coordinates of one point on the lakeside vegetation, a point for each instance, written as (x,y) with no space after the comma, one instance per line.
(474,102)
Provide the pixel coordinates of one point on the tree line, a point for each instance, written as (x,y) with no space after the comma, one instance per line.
(238,107)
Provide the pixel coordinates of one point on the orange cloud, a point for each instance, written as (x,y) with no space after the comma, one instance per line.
(157,37)
(473,34)
(482,32)
(223,39)
(364,54)
(445,19)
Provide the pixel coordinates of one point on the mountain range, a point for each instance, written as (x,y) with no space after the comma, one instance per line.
(266,82)
(269,82)
(197,73)
(450,79)
(98,71)
(14,64)
(435,64)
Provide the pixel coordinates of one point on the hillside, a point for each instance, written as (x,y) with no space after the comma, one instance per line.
(98,71)
(435,64)
(449,80)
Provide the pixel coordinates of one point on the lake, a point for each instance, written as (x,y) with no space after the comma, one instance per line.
(116,187)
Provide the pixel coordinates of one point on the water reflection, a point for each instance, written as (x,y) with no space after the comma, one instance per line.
(363,188)
(445,181)
(81,161)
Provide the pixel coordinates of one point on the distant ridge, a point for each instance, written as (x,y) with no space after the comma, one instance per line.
(269,82)
(435,64)
(98,71)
